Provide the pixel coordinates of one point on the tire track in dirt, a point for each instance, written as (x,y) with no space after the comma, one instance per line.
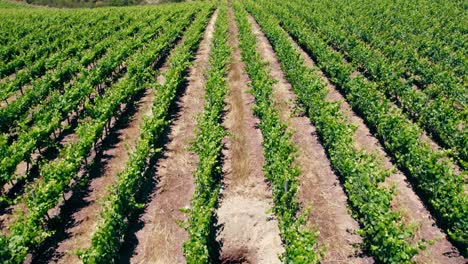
(405,200)
(250,232)
(319,187)
(160,239)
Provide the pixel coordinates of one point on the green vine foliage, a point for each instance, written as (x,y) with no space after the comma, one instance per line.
(434,111)
(49,116)
(208,144)
(431,171)
(29,228)
(106,241)
(386,237)
(279,151)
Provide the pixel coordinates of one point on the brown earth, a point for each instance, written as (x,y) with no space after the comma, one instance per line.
(160,239)
(249,231)
(319,187)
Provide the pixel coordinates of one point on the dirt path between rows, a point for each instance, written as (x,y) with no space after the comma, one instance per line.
(249,231)
(319,187)
(160,239)
(406,200)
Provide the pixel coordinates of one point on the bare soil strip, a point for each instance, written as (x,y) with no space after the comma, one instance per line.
(249,231)
(319,188)
(160,239)
(406,200)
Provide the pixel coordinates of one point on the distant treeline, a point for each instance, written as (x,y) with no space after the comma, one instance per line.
(94,3)
(4,4)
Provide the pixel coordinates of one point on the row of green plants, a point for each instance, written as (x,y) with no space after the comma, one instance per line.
(437,115)
(27,32)
(21,32)
(431,172)
(385,234)
(28,228)
(78,54)
(201,221)
(122,200)
(49,116)
(436,34)
(23,28)
(78,40)
(279,151)
(55,79)
(63,72)
(418,47)
(51,41)
(440,45)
